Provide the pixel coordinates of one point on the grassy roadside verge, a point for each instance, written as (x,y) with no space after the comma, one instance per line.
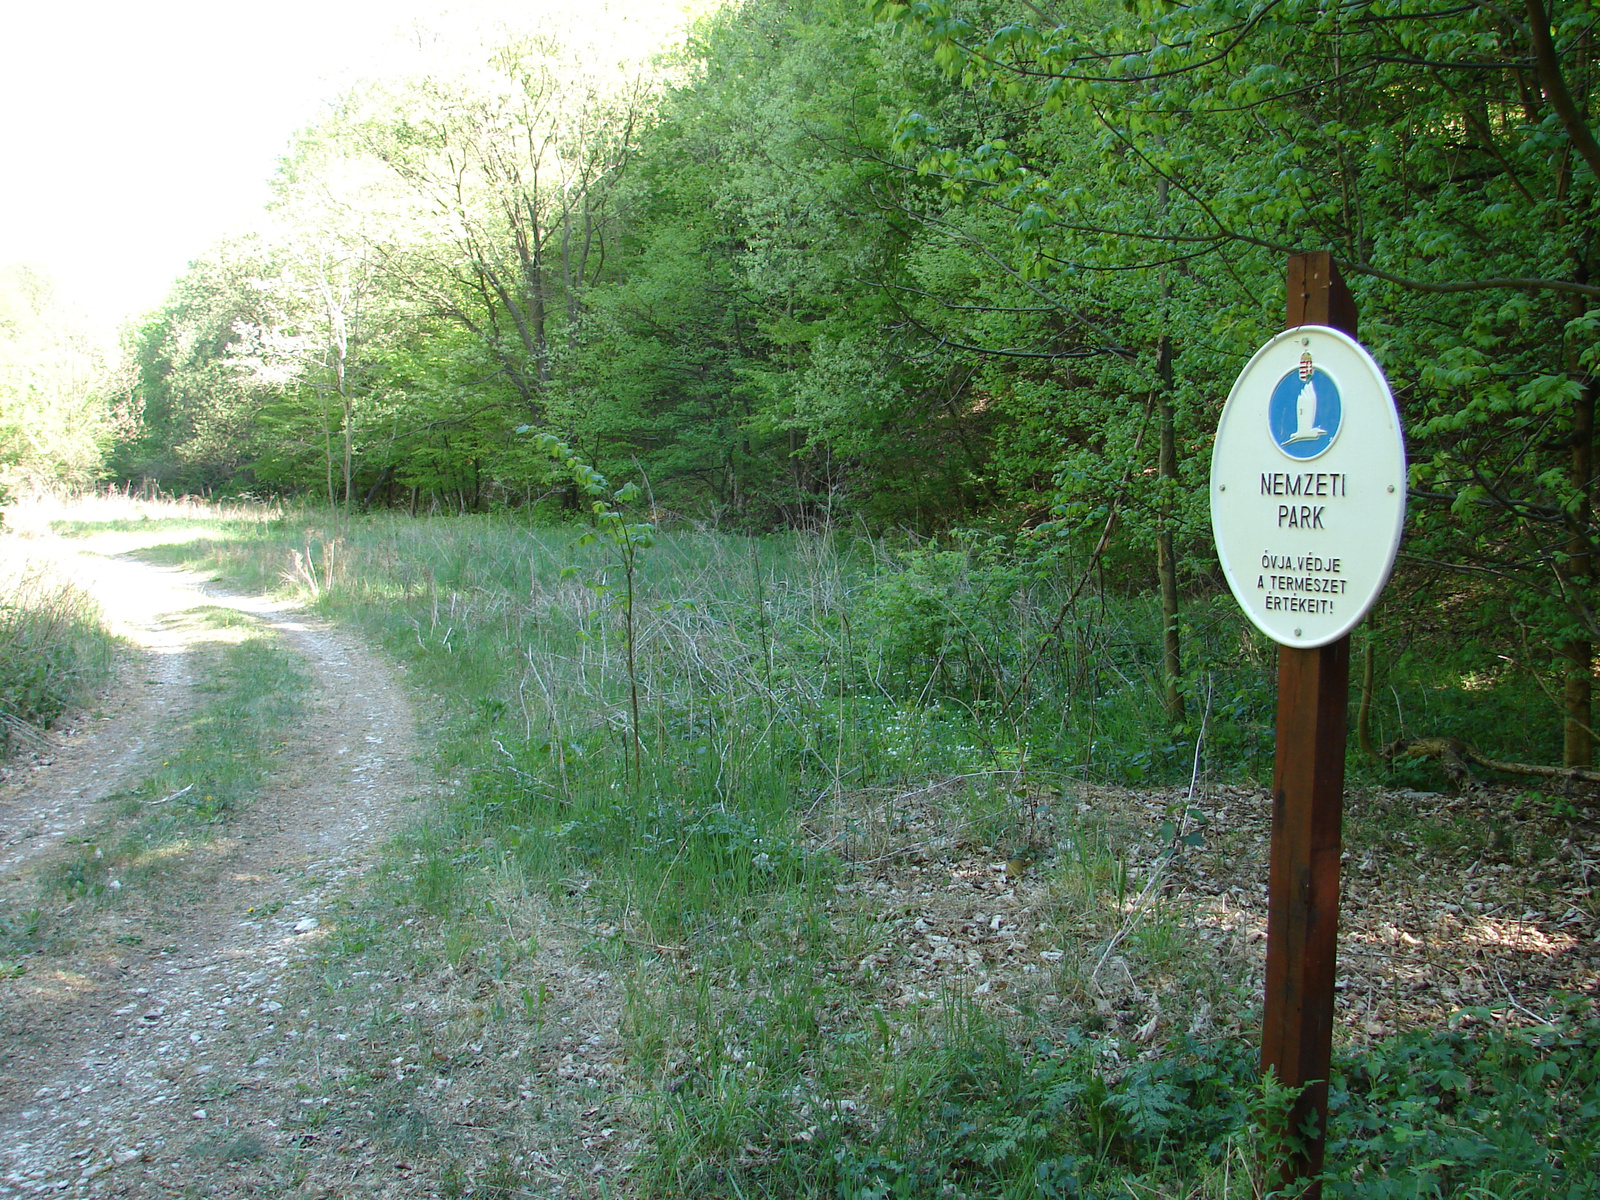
(55,651)
(838,745)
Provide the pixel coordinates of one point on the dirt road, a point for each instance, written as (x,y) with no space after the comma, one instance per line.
(102,1051)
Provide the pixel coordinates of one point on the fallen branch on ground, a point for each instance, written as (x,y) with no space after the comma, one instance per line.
(1453,755)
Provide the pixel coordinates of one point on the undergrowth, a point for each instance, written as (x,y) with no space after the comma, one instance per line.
(659,774)
(55,651)
(1469,1111)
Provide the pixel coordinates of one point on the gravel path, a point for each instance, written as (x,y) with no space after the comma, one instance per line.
(102,1053)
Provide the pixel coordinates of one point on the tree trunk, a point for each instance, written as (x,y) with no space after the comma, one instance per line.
(1166,561)
(345,404)
(327,447)
(1369,672)
(1577,739)
(1167,476)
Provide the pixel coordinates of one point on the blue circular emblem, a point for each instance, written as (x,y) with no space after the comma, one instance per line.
(1304,412)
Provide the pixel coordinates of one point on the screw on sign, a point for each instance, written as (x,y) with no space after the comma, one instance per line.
(1308,488)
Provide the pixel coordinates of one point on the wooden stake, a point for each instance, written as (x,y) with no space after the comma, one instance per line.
(1318,295)
(1307,815)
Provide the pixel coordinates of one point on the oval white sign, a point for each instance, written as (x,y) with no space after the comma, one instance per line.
(1308,486)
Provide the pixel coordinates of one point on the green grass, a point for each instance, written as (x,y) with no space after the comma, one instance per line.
(250,692)
(55,651)
(902,663)
(789,683)
(228,1147)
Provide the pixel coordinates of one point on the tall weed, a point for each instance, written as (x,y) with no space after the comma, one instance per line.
(55,651)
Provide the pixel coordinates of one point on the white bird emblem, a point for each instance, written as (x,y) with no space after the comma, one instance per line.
(1306,428)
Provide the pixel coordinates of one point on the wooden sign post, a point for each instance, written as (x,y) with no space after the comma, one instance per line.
(1307,817)
(1308,486)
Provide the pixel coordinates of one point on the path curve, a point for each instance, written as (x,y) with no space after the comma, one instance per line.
(100,1056)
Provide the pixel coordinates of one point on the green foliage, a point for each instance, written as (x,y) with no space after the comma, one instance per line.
(1445,1113)
(54,653)
(1508,1111)
(196,410)
(744,353)
(992,1119)
(957,263)
(55,420)
(626,538)
(1161,160)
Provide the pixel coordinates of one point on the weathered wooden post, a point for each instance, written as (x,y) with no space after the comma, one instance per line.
(1307,525)
(1307,815)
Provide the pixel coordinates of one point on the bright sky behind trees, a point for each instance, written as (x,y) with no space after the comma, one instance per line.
(140,134)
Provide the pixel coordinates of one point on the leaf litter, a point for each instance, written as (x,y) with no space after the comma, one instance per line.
(1142,912)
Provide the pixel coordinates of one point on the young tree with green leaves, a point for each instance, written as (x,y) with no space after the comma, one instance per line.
(504,180)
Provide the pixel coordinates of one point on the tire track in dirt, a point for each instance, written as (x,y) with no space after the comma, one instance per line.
(104,1058)
(76,769)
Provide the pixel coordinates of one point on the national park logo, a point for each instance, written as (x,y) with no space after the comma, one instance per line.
(1305,412)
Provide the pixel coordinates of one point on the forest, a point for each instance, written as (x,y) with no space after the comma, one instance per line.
(920,268)
(873,350)
(925,268)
